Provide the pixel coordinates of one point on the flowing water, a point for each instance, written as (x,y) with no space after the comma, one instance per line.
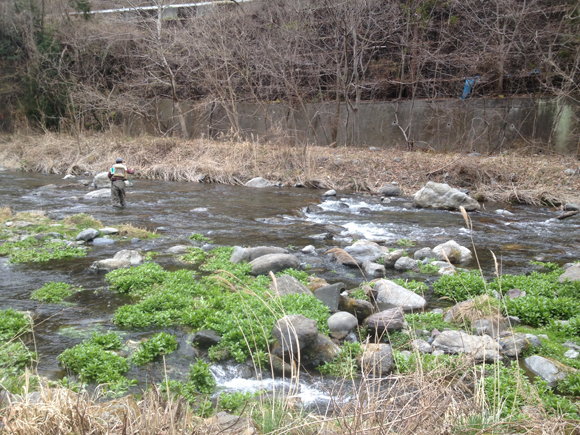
(234,215)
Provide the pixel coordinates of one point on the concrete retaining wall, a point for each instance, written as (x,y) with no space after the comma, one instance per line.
(483,125)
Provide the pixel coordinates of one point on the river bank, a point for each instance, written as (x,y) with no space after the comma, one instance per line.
(515,177)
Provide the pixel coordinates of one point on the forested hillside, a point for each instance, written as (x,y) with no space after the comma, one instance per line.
(64,67)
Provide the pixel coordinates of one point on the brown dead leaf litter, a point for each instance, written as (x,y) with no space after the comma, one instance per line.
(515,176)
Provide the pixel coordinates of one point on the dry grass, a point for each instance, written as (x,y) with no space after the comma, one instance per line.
(441,400)
(130,231)
(5,214)
(518,177)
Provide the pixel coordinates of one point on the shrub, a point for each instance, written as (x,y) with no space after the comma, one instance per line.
(159,344)
(54,292)
(13,323)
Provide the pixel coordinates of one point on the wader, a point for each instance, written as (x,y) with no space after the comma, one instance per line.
(118,193)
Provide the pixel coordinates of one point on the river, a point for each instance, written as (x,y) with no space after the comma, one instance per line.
(236,215)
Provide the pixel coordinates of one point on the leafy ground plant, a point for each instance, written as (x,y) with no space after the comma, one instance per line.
(200,238)
(32,250)
(93,363)
(415,286)
(344,365)
(13,324)
(159,344)
(54,292)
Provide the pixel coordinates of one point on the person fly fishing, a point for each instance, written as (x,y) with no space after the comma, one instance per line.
(118,174)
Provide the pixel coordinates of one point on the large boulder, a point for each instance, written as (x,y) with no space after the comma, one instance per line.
(240,254)
(101,193)
(121,260)
(373,270)
(491,327)
(260,251)
(546,369)
(405,263)
(288,285)
(453,251)
(514,345)
(274,263)
(377,359)
(391,295)
(329,295)
(571,274)
(421,346)
(295,332)
(102,180)
(341,323)
(360,308)
(392,319)
(364,250)
(389,190)
(424,253)
(482,348)
(389,259)
(258,182)
(206,338)
(323,350)
(87,235)
(441,196)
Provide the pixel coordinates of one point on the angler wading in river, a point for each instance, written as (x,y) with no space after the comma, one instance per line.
(118,175)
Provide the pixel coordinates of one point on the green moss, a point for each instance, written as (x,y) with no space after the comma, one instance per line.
(54,292)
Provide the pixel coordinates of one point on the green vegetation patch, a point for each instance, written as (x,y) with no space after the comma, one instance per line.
(508,389)
(200,238)
(13,324)
(159,344)
(193,256)
(32,250)
(237,306)
(14,354)
(460,286)
(54,292)
(541,310)
(345,364)
(415,286)
(94,362)
(428,321)
(429,267)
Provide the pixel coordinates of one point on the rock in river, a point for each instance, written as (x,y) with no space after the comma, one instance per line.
(453,251)
(258,182)
(295,332)
(341,323)
(482,348)
(87,235)
(377,359)
(388,320)
(288,285)
(442,196)
(122,259)
(546,369)
(274,263)
(393,295)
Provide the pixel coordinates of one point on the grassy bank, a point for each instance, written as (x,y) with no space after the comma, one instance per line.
(513,177)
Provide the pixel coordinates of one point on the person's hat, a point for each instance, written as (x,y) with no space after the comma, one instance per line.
(119,160)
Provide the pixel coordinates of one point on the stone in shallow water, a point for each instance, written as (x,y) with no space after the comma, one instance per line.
(101,241)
